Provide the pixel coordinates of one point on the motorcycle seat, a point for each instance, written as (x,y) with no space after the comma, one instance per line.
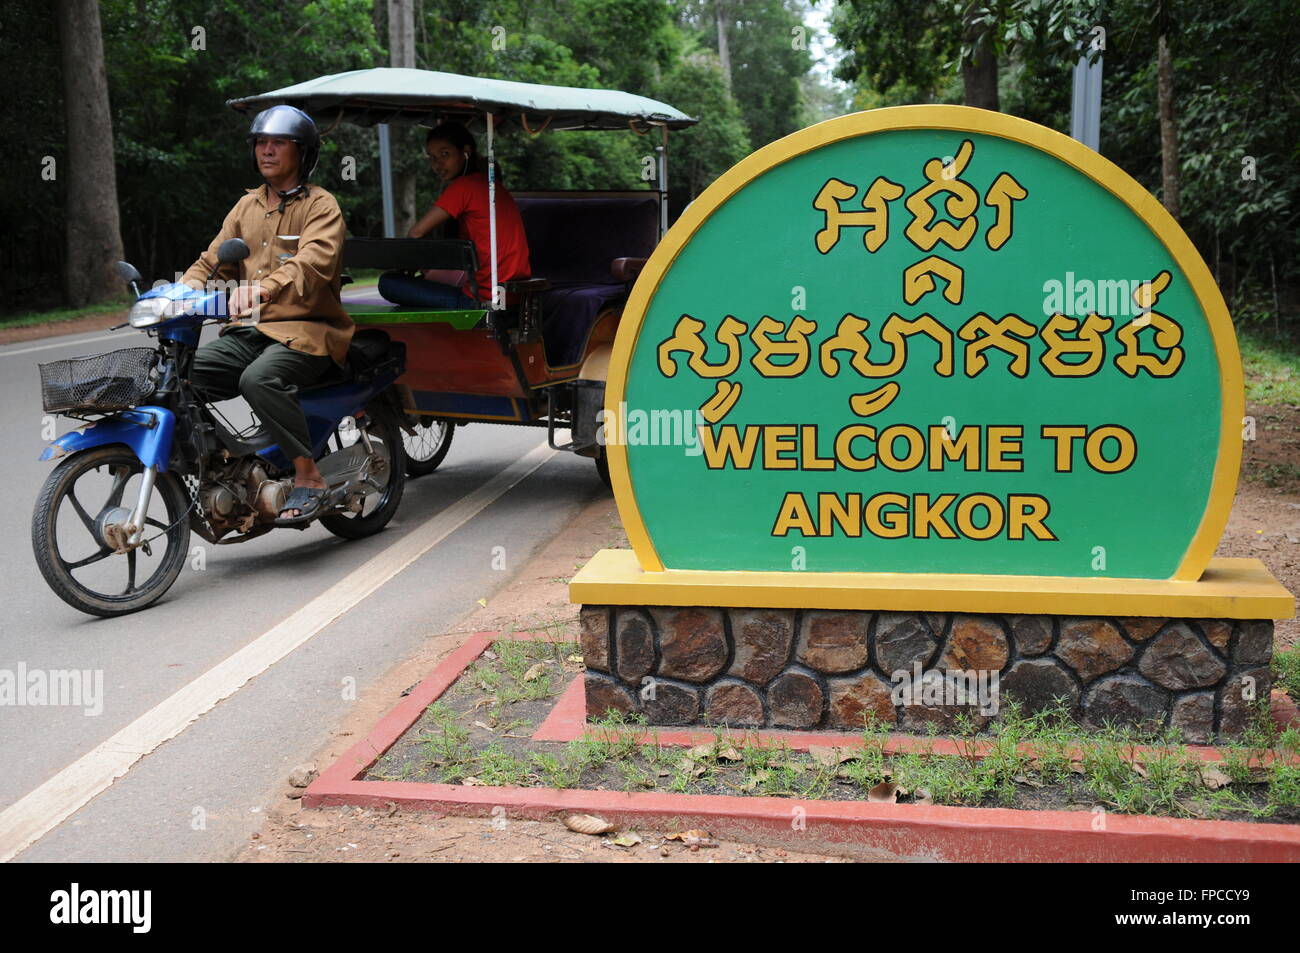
(369,347)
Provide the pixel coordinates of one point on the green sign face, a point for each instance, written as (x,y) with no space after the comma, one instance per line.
(926,340)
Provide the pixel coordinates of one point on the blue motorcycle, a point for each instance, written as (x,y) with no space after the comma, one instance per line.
(156,461)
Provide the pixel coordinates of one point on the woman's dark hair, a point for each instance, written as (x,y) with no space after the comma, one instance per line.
(459,137)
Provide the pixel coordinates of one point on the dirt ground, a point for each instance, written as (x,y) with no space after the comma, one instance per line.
(1265,524)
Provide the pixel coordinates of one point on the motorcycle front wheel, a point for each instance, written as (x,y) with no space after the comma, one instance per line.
(386,435)
(84,495)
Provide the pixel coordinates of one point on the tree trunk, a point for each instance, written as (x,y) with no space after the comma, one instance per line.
(979,69)
(401,49)
(93,227)
(721,15)
(1169,174)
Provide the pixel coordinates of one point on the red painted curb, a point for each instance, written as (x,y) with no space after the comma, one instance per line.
(883,831)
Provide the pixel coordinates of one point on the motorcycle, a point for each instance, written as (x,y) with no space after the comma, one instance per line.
(155,461)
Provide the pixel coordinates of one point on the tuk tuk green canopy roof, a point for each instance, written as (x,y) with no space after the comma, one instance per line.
(389,94)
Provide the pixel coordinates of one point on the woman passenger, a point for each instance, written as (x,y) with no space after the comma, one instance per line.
(455,159)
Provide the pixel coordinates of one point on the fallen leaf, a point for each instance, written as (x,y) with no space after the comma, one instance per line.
(483,603)
(576,660)
(1213,778)
(483,725)
(1139,769)
(826,757)
(886,792)
(728,753)
(490,655)
(625,840)
(699,751)
(470,781)
(923,797)
(588,824)
(535,672)
(1025,779)
(1077,767)
(693,836)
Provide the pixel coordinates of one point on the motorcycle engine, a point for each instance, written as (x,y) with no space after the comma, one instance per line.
(268,495)
(237,496)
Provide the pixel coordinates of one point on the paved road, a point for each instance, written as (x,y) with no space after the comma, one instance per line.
(229,761)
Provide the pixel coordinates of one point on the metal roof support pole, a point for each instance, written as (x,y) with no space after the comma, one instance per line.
(386,180)
(663,181)
(498,296)
(1085,103)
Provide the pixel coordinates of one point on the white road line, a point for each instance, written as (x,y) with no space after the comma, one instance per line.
(46,347)
(40,811)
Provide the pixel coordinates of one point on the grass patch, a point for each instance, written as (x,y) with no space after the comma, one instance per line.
(1271,366)
(1286,670)
(1275,475)
(31,318)
(480,734)
(514,671)
(361,278)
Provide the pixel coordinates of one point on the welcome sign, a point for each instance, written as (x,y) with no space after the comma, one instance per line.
(928,339)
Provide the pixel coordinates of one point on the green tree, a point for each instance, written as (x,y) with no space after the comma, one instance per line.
(916,48)
(703,152)
(767,57)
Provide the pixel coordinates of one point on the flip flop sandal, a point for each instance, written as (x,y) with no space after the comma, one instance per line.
(307,500)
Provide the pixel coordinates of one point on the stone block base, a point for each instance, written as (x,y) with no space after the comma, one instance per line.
(831,669)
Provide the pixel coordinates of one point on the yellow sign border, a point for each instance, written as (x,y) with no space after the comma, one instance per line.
(959,119)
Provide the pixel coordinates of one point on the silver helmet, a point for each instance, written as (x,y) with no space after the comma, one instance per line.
(288,122)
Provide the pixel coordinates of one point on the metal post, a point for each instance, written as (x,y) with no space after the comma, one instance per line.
(1085,105)
(386,180)
(492,212)
(663,182)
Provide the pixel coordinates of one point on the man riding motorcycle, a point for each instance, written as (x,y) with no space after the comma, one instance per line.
(290,283)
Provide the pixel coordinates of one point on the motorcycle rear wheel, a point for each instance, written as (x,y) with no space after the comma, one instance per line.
(386,434)
(57,550)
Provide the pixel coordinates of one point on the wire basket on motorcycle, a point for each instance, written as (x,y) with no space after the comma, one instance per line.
(116,380)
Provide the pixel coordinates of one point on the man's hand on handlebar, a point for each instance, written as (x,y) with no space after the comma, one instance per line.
(243,299)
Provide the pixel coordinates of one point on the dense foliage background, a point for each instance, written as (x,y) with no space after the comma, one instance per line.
(180,154)
(1235,101)
(181,160)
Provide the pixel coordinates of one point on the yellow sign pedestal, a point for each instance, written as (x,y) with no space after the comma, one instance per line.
(1228,589)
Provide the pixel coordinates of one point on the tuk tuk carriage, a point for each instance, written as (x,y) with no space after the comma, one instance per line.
(536,354)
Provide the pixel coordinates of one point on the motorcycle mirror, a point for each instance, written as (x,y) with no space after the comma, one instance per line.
(127,272)
(231,251)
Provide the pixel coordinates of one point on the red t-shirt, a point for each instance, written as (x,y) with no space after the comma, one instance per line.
(466,200)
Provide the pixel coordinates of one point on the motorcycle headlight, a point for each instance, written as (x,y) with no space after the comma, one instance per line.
(149,311)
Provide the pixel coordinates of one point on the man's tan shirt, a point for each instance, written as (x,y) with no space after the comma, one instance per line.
(297,257)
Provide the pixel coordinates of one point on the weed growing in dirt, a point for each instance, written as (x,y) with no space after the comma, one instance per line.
(1039,758)
(1286,669)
